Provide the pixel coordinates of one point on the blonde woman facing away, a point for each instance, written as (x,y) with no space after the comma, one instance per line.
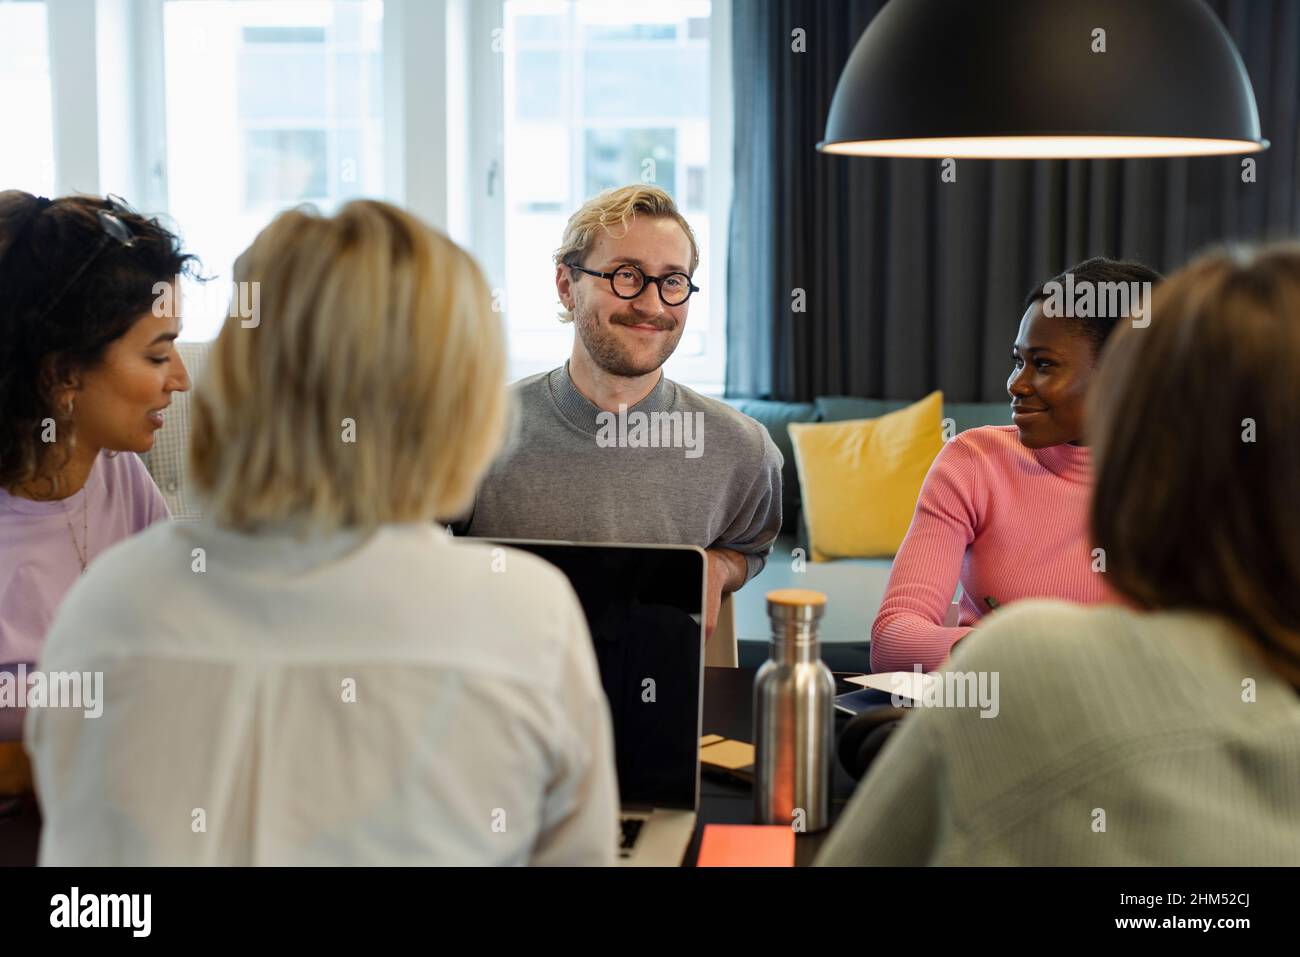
(1166,732)
(316,673)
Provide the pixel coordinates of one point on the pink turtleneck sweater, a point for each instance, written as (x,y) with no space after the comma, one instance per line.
(1006,521)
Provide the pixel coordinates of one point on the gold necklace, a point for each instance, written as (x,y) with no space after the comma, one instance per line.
(83,553)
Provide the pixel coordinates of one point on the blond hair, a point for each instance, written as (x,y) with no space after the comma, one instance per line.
(370,318)
(617,207)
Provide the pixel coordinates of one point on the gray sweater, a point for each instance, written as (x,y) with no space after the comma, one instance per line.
(1120,738)
(677,468)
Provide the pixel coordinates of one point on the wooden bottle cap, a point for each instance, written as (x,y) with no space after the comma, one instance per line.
(795,597)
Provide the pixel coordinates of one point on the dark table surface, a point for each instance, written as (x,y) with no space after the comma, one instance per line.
(729,711)
(20,831)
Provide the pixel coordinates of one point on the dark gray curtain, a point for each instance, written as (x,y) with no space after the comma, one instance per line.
(912,284)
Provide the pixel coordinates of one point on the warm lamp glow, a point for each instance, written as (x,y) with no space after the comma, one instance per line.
(1044,147)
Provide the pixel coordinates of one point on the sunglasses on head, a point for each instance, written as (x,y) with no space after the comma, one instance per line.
(113,229)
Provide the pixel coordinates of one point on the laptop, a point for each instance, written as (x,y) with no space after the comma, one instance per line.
(645,609)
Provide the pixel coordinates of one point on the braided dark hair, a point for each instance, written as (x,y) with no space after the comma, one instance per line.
(42,244)
(1096,271)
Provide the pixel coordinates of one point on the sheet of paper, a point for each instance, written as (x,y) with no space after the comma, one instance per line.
(709,739)
(905,684)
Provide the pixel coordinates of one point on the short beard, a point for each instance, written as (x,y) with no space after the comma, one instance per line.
(606,351)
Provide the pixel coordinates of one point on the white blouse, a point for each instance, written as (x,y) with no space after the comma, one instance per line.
(395,698)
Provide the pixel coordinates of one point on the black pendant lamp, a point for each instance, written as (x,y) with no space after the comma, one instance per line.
(1028,79)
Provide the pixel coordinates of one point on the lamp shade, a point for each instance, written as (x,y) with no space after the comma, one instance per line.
(1043,79)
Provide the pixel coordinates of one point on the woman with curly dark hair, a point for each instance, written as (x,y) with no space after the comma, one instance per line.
(87,365)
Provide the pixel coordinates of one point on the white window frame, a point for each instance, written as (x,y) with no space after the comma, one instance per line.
(73,98)
(107,60)
(106,69)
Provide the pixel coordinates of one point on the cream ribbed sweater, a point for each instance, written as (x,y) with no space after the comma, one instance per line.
(1107,717)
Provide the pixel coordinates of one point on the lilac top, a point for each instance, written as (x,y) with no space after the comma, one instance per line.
(39,552)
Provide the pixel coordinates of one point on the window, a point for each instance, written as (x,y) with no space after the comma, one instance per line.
(268,105)
(26,161)
(600,94)
(490,119)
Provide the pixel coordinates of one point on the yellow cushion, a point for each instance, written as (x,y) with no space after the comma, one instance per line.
(860,479)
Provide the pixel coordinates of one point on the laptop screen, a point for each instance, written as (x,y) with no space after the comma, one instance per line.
(644,607)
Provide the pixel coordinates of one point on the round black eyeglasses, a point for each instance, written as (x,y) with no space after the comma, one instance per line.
(627,281)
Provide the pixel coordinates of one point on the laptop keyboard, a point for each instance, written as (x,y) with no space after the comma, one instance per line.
(630,830)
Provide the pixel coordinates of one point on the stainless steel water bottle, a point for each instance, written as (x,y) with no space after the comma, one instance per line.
(794,717)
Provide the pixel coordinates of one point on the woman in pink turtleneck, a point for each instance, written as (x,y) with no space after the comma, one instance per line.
(1004,508)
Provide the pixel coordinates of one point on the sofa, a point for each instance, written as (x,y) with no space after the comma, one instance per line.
(854,587)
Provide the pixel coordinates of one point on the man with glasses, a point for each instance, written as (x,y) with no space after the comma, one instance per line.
(607,449)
